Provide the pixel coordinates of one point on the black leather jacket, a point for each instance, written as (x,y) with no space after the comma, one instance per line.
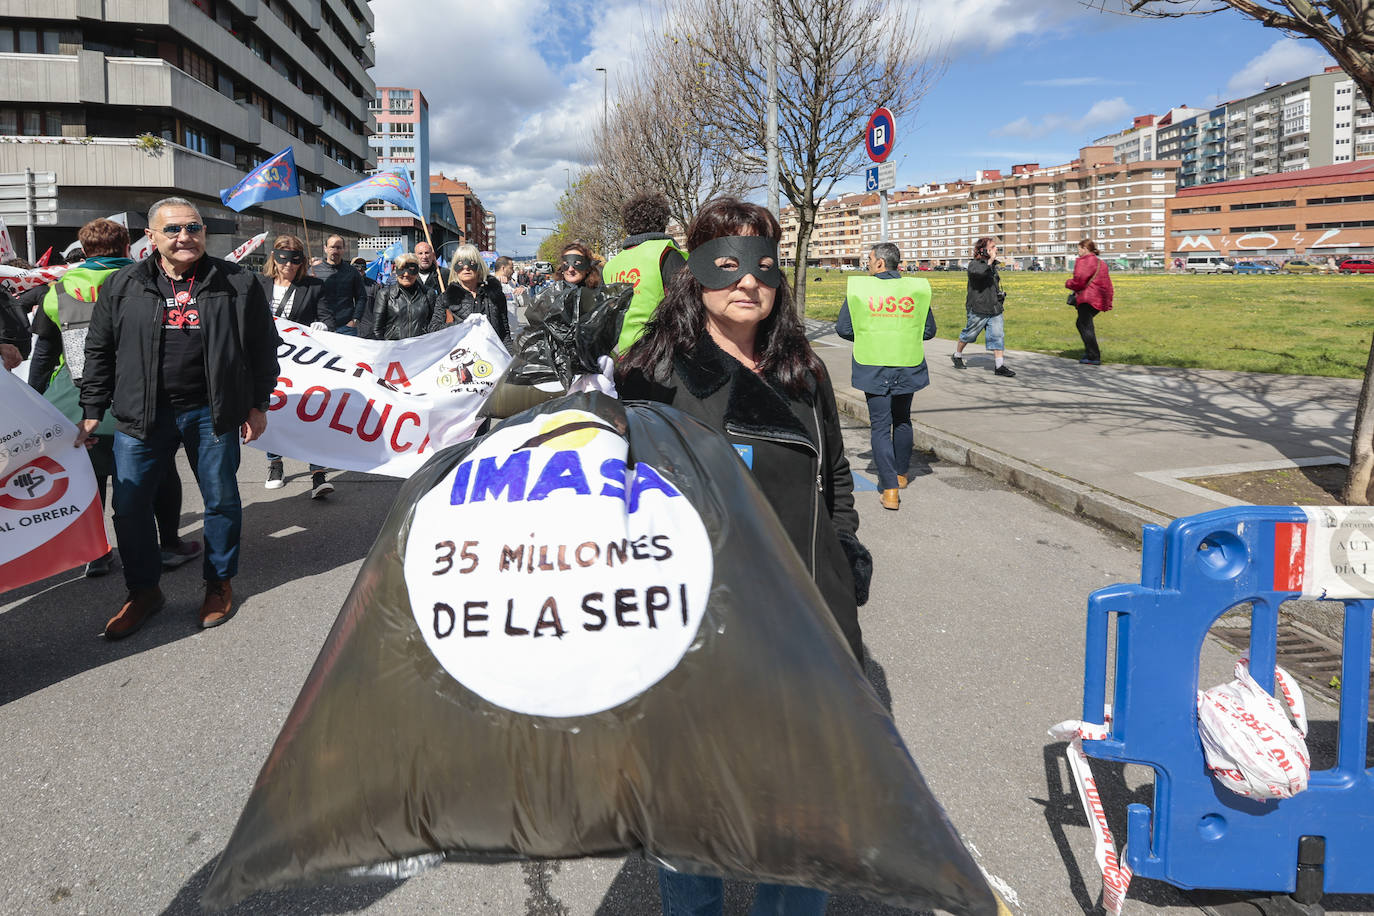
(402,312)
(489,301)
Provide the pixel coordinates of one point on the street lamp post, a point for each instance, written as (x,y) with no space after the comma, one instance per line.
(605,82)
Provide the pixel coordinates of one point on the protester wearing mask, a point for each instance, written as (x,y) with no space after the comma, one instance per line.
(727,347)
(406,309)
(294,295)
(471,291)
(345,296)
(577,267)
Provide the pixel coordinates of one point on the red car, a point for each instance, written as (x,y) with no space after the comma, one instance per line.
(1357,266)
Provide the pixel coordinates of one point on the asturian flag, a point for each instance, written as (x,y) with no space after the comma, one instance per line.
(392,186)
(277,177)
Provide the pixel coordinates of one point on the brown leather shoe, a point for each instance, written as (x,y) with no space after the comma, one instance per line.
(140,604)
(890,499)
(218,605)
(902,481)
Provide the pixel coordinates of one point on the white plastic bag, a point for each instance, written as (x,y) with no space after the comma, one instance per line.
(1251,746)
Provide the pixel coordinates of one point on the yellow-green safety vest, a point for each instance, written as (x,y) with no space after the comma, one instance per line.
(640,267)
(889,318)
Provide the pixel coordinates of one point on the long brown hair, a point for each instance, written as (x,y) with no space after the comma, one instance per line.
(287,243)
(1088,244)
(593,279)
(980,248)
(680,320)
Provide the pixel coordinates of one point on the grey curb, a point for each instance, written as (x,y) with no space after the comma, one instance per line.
(1068,494)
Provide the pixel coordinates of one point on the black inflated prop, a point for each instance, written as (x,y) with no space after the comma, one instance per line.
(564,644)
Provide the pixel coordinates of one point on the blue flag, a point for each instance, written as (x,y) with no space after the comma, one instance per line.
(277,177)
(392,186)
(376,268)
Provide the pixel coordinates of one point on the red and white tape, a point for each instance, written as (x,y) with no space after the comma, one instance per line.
(1251,746)
(1116,874)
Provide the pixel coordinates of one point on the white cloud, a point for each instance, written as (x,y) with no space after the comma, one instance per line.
(1285,59)
(991,25)
(1103,112)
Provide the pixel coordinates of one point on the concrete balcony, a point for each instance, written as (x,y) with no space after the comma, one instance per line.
(125,165)
(40,78)
(138,82)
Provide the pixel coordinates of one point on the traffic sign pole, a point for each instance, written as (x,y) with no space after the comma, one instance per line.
(882,215)
(879,139)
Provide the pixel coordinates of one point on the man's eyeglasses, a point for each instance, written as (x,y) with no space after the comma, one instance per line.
(410,269)
(172,229)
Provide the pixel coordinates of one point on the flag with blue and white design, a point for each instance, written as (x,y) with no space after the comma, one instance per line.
(275,178)
(392,185)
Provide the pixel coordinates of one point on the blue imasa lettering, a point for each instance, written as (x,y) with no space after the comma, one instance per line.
(491,478)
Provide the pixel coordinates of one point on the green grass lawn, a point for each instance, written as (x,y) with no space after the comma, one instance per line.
(1298,325)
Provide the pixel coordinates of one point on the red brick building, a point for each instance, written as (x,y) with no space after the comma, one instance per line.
(468,211)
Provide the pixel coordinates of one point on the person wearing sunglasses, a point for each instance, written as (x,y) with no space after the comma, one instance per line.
(407,308)
(294,295)
(577,266)
(471,291)
(182,349)
(727,347)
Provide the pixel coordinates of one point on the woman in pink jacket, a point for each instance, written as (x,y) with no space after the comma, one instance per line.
(1092,286)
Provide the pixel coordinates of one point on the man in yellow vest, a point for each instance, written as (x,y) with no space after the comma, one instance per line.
(648,260)
(889,319)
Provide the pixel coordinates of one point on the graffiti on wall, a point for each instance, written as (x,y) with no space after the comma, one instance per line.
(1310,240)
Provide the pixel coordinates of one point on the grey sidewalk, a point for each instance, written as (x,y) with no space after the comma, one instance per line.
(1112,442)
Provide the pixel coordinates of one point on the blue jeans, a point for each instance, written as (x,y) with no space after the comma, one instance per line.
(139,469)
(889,422)
(995,339)
(700,895)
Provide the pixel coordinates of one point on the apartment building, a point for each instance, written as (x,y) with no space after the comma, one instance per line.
(400,138)
(1315,213)
(836,237)
(477,225)
(1038,214)
(1315,121)
(130,102)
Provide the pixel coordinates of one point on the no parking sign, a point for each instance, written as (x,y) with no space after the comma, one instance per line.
(880,135)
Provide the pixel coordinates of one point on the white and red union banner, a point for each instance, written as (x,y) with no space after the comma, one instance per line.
(50,515)
(383,407)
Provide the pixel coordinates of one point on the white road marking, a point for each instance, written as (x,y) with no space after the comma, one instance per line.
(287,532)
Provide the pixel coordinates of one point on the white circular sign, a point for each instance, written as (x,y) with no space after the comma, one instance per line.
(552,579)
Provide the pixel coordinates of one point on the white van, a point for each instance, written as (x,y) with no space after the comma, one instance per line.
(1209,264)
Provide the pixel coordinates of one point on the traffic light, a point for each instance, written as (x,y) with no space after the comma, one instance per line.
(523,229)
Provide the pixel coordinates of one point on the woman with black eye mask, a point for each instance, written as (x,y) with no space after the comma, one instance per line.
(472,290)
(577,267)
(294,295)
(726,346)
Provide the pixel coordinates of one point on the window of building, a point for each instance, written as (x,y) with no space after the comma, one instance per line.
(1264,204)
(195,139)
(1282,227)
(28,41)
(1348,199)
(1344,224)
(30,122)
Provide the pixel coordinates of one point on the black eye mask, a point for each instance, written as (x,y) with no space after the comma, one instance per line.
(577,262)
(747,250)
(286,256)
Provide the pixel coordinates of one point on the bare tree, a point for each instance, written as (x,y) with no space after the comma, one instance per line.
(837,61)
(656,141)
(1345,28)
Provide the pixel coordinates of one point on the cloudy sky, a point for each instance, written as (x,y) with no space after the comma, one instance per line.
(511,95)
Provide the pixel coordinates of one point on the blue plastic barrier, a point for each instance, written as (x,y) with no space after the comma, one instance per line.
(1199,834)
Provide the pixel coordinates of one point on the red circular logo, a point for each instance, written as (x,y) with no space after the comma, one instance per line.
(36,485)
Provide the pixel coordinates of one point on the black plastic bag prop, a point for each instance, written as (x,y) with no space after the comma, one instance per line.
(586,634)
(570,328)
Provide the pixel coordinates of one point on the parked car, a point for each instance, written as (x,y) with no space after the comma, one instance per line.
(1302,266)
(1208,264)
(1357,266)
(1254,267)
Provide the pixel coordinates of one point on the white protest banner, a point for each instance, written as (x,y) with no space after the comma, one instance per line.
(379,406)
(51,518)
(141,248)
(247,248)
(17,281)
(7,252)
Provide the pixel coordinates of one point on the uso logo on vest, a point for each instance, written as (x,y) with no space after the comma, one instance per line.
(551,577)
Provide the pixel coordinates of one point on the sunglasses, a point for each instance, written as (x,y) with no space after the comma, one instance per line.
(287,256)
(172,229)
(410,269)
(466,265)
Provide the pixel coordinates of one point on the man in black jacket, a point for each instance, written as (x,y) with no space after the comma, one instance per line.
(181,348)
(429,269)
(345,295)
(370,304)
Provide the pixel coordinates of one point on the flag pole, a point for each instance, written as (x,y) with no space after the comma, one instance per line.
(437,269)
(306,229)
